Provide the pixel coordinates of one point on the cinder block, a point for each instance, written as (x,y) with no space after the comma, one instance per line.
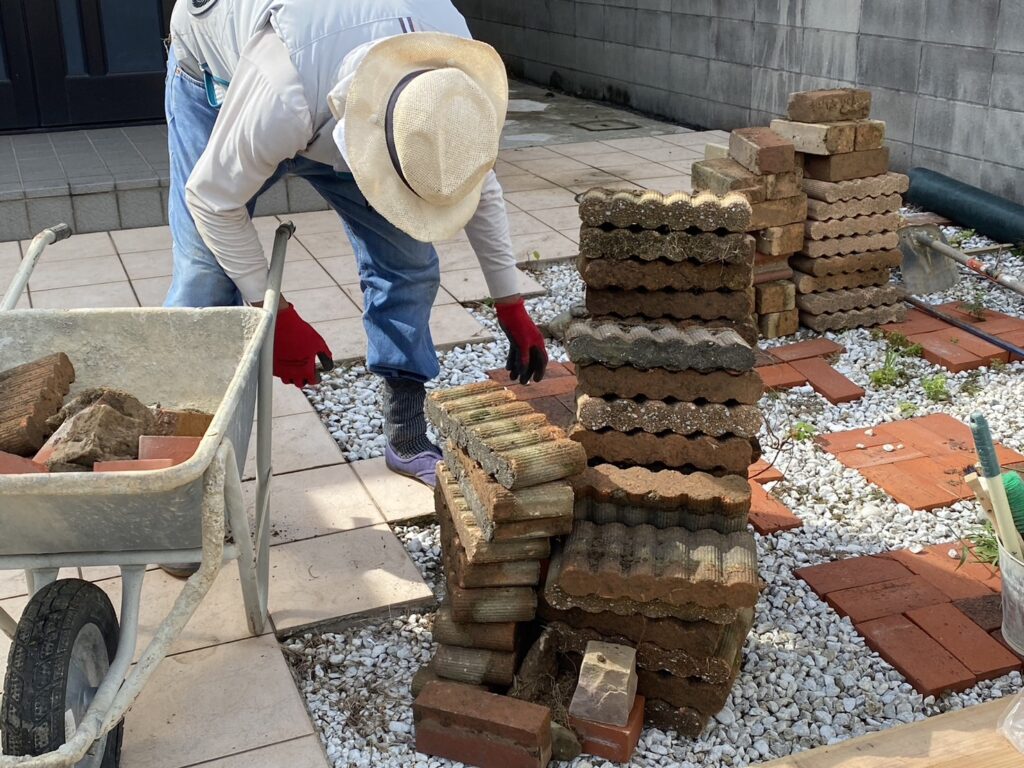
(44,212)
(958,73)
(953,126)
(832,55)
(273,201)
(777,47)
(888,62)
(896,109)
(652,31)
(1002,137)
(302,197)
(141,208)
(905,18)
(729,83)
(691,35)
(1011,28)
(590,21)
(619,23)
(1007,79)
(96,212)
(972,24)
(1002,180)
(827,14)
(14,221)
(733,40)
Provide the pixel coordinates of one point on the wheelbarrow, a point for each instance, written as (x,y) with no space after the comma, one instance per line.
(70,679)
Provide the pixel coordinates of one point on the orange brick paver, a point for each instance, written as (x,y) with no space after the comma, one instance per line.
(781,376)
(768,515)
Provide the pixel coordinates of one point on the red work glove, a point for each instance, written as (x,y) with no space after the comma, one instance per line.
(527,357)
(296,347)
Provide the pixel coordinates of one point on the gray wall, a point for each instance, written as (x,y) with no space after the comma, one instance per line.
(947,75)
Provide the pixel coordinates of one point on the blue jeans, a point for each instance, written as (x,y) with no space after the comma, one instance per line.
(399,276)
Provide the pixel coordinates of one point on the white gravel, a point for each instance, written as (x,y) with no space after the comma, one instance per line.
(808,678)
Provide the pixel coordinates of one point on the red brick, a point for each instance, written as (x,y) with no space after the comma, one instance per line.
(802,350)
(1016,338)
(10,464)
(553,387)
(838,443)
(940,350)
(940,570)
(944,425)
(876,455)
(997,635)
(916,434)
(827,381)
(849,165)
(929,667)
(763,472)
(917,322)
(479,749)
(469,708)
(985,611)
(556,411)
(140,465)
(935,560)
(969,643)
(556,370)
(768,515)
(885,598)
(850,573)
(178,449)
(608,741)
(995,323)
(781,376)
(912,483)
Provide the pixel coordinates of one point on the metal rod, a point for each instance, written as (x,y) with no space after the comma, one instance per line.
(35,250)
(973,330)
(972,264)
(86,559)
(7,624)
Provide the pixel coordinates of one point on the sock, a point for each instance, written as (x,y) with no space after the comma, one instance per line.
(405,426)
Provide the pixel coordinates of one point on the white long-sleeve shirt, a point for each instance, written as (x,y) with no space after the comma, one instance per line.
(267,118)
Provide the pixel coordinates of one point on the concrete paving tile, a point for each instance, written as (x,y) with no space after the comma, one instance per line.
(49,275)
(343,269)
(319,581)
(643,143)
(324,245)
(397,497)
(297,753)
(346,338)
(468,285)
(315,222)
(583,149)
(542,199)
(299,442)
(524,182)
(220,617)
(295,252)
(76,247)
(551,246)
(550,165)
(523,223)
(560,218)
(643,170)
(317,502)
(571,234)
(145,239)
(667,154)
(452,326)
(147,264)
(87,296)
(289,400)
(455,256)
(589,178)
(302,275)
(213,703)
(152,290)
(12,584)
(329,303)
(690,139)
(521,154)
(612,160)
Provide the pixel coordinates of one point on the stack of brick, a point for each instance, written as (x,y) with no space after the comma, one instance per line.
(31,395)
(502,492)
(659,557)
(763,167)
(843,272)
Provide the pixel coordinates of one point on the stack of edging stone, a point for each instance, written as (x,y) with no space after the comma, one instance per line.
(762,166)
(843,272)
(501,494)
(659,557)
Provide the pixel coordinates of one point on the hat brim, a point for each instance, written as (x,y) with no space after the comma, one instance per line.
(366,149)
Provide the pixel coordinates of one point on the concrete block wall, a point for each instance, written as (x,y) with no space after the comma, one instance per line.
(947,75)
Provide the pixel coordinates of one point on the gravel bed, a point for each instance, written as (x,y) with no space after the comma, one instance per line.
(808,678)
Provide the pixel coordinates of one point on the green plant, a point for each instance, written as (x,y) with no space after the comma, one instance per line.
(897,341)
(998,365)
(535,255)
(983,546)
(803,430)
(972,383)
(962,237)
(935,388)
(891,373)
(975,307)
(908,409)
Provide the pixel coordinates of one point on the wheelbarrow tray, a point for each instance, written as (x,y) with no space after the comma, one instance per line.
(203,359)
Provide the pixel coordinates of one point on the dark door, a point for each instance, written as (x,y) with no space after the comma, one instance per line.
(82,62)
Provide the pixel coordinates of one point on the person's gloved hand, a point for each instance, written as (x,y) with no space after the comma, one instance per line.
(527,357)
(296,347)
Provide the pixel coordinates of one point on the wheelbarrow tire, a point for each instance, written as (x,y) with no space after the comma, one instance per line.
(32,715)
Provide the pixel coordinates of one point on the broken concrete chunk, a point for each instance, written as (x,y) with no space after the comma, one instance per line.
(607,685)
(564,744)
(99,432)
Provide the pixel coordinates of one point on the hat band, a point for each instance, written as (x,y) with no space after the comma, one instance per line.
(389,125)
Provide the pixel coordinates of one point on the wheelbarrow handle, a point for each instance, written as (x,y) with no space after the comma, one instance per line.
(35,250)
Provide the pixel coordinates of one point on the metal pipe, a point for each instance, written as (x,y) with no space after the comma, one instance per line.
(971,263)
(35,250)
(86,559)
(973,330)
(7,624)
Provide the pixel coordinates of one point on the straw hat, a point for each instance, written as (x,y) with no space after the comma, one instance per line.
(419,120)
